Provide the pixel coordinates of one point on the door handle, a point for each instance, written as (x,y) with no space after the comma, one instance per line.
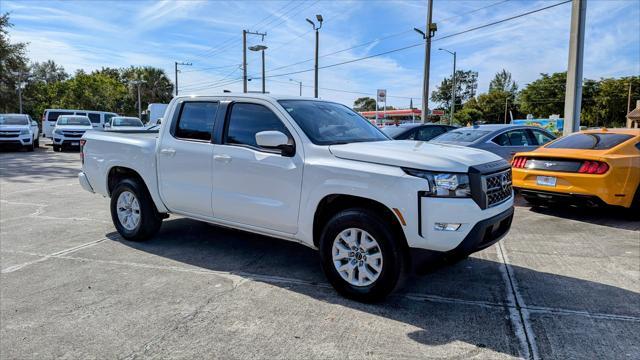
(168,152)
(222,157)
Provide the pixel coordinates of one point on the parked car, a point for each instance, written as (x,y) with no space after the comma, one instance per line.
(97,118)
(19,130)
(593,167)
(68,131)
(413,131)
(124,123)
(503,140)
(309,171)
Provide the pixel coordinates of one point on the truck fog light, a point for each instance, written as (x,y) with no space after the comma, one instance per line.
(446,226)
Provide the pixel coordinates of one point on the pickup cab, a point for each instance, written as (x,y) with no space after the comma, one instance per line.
(309,171)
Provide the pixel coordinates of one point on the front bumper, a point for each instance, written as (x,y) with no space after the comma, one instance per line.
(482,235)
(60,140)
(23,140)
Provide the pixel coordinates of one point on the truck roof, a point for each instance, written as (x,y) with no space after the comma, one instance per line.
(268,97)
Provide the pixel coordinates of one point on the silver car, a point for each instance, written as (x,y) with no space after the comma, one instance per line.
(502,140)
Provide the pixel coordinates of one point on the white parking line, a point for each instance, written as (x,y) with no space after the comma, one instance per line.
(13,268)
(519,314)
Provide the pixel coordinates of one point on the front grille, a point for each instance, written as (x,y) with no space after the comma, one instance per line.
(497,187)
(73,134)
(9,134)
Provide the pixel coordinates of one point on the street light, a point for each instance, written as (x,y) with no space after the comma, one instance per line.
(260,48)
(319,18)
(453,85)
(300,83)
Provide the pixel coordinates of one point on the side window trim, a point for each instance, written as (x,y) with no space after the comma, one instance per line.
(225,129)
(178,114)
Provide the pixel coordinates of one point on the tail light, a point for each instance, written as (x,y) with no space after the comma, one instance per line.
(593,167)
(519,162)
(82,142)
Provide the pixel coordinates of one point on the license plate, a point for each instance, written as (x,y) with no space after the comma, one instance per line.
(75,143)
(546,180)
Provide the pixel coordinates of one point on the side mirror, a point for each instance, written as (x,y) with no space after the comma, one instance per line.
(106,125)
(33,123)
(159,121)
(275,140)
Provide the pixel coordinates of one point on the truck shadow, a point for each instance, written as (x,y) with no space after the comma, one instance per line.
(611,216)
(464,302)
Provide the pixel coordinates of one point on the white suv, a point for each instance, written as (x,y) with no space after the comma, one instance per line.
(19,130)
(68,131)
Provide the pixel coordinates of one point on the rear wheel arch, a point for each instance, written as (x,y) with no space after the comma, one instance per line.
(119,173)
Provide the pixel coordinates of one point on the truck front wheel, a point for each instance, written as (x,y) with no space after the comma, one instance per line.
(360,255)
(133,212)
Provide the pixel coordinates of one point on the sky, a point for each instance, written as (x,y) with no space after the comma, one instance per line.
(90,35)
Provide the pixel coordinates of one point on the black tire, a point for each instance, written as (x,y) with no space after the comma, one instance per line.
(30,147)
(56,148)
(36,143)
(391,248)
(150,219)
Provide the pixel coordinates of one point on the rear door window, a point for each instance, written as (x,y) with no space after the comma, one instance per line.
(196,121)
(426,133)
(541,137)
(519,138)
(591,141)
(502,140)
(95,118)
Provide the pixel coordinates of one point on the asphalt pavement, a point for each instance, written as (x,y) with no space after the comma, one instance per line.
(564,283)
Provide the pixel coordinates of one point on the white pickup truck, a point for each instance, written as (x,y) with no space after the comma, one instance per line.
(309,171)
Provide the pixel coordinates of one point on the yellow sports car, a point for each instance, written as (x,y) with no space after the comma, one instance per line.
(592,167)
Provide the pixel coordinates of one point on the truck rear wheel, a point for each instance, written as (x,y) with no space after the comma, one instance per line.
(360,255)
(133,212)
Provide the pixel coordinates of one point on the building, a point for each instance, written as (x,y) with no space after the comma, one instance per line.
(633,118)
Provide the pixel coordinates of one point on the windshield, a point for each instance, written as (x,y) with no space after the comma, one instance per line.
(590,141)
(73,120)
(126,121)
(393,131)
(14,120)
(328,123)
(462,135)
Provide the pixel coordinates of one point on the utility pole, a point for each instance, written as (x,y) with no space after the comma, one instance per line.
(573,95)
(176,69)
(629,98)
(430,32)
(244,56)
(299,83)
(138,83)
(261,48)
(317,29)
(453,86)
(506,102)
(20,74)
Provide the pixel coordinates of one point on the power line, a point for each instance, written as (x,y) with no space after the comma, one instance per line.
(420,44)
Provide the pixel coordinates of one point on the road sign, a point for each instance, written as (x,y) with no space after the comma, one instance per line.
(382,95)
(437,112)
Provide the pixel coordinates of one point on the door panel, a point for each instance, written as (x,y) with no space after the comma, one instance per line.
(255,186)
(185,160)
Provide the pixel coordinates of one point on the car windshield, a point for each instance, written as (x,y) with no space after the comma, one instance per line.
(328,123)
(462,135)
(126,121)
(589,141)
(393,131)
(73,120)
(14,120)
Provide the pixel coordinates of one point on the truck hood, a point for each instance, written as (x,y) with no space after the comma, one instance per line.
(13,127)
(415,154)
(73,127)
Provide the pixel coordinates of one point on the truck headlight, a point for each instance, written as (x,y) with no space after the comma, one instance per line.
(58,131)
(444,184)
(24,132)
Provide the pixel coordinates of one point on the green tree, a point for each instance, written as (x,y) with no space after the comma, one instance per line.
(545,96)
(155,88)
(467,116)
(364,104)
(605,102)
(492,105)
(466,85)
(47,72)
(12,61)
(502,82)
